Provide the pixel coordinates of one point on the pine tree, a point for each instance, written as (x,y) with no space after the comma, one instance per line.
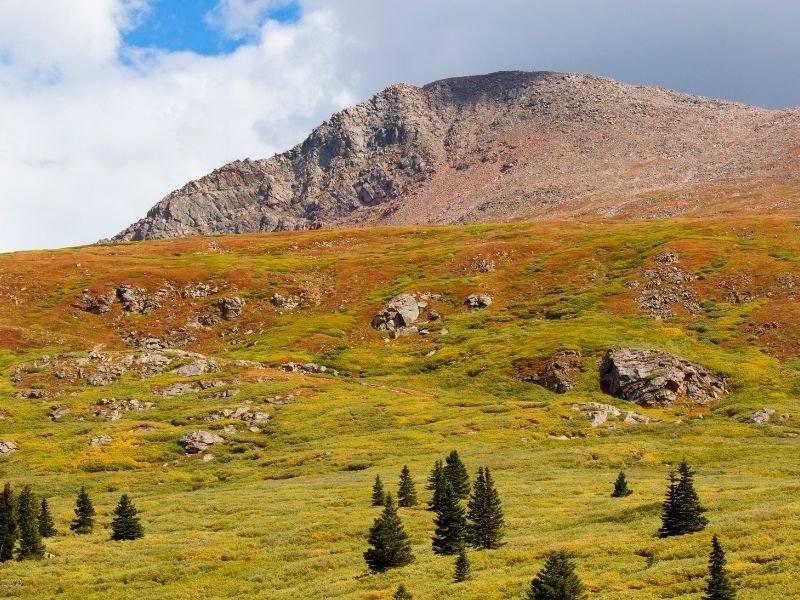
(719,585)
(448,538)
(125,525)
(8,524)
(557,580)
(47,527)
(462,566)
(621,488)
(682,512)
(84,513)
(402,594)
(406,490)
(30,542)
(457,475)
(436,483)
(378,495)
(389,544)
(485,513)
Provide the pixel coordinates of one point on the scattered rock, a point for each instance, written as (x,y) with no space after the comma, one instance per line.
(136,300)
(313,368)
(197,290)
(95,304)
(478,301)
(242,413)
(763,416)
(663,287)
(198,367)
(7,448)
(100,440)
(31,395)
(400,312)
(557,373)
(56,413)
(208,457)
(433,315)
(230,308)
(199,441)
(285,302)
(600,414)
(112,409)
(178,389)
(652,378)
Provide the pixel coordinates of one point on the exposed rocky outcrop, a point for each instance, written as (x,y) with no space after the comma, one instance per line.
(97,304)
(478,301)
(197,367)
(556,373)
(112,408)
(664,286)
(652,378)
(497,147)
(230,308)
(199,441)
(400,316)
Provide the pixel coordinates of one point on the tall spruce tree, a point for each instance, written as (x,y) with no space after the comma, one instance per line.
(682,512)
(485,513)
(557,580)
(126,525)
(451,523)
(462,569)
(406,490)
(436,483)
(8,523)
(719,586)
(402,593)
(30,542)
(621,488)
(457,475)
(378,494)
(84,513)
(388,541)
(47,527)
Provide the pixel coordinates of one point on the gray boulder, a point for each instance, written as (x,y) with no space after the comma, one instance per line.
(7,448)
(199,441)
(400,312)
(653,378)
(478,301)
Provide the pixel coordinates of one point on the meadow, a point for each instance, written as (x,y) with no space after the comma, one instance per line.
(284,513)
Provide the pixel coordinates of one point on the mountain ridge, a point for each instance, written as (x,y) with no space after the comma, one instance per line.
(510,145)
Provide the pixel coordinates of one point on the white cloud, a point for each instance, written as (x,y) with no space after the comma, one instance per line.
(240,19)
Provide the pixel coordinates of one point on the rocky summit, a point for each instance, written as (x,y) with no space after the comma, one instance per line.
(499,147)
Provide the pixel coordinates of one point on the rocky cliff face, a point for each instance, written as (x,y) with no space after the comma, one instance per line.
(504,146)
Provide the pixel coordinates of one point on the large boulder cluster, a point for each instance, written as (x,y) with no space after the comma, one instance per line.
(401,315)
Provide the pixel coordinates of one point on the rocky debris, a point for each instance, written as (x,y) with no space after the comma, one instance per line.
(198,367)
(478,301)
(112,409)
(653,378)
(433,315)
(400,312)
(179,389)
(310,368)
(556,373)
(600,414)
(288,302)
(135,300)
(194,291)
(199,441)
(7,448)
(97,304)
(208,457)
(100,440)
(761,328)
(56,413)
(280,400)
(665,286)
(37,394)
(230,308)
(764,416)
(242,413)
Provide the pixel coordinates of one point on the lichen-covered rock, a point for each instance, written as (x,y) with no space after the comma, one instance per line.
(763,416)
(230,308)
(556,373)
(136,300)
(478,301)
(97,304)
(7,448)
(654,378)
(100,440)
(400,312)
(603,414)
(199,441)
(197,367)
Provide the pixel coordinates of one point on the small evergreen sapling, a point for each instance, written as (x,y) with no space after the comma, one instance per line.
(681,511)
(462,569)
(378,495)
(485,513)
(557,580)
(47,527)
(84,513)
(125,525)
(388,541)
(406,490)
(621,488)
(402,593)
(719,586)
(457,475)
(8,524)
(30,542)
(451,523)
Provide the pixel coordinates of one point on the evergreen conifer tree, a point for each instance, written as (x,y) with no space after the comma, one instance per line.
(378,495)
(47,527)
(621,488)
(30,542)
(125,525)
(8,524)
(557,580)
(406,490)
(436,483)
(402,593)
(84,513)
(457,475)
(719,585)
(389,544)
(485,513)
(682,512)
(462,566)
(448,538)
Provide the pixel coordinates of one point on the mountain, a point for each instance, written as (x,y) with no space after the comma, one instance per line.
(499,147)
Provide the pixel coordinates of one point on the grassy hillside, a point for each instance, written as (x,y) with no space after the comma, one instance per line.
(284,512)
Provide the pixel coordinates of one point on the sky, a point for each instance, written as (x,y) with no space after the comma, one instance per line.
(108,105)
